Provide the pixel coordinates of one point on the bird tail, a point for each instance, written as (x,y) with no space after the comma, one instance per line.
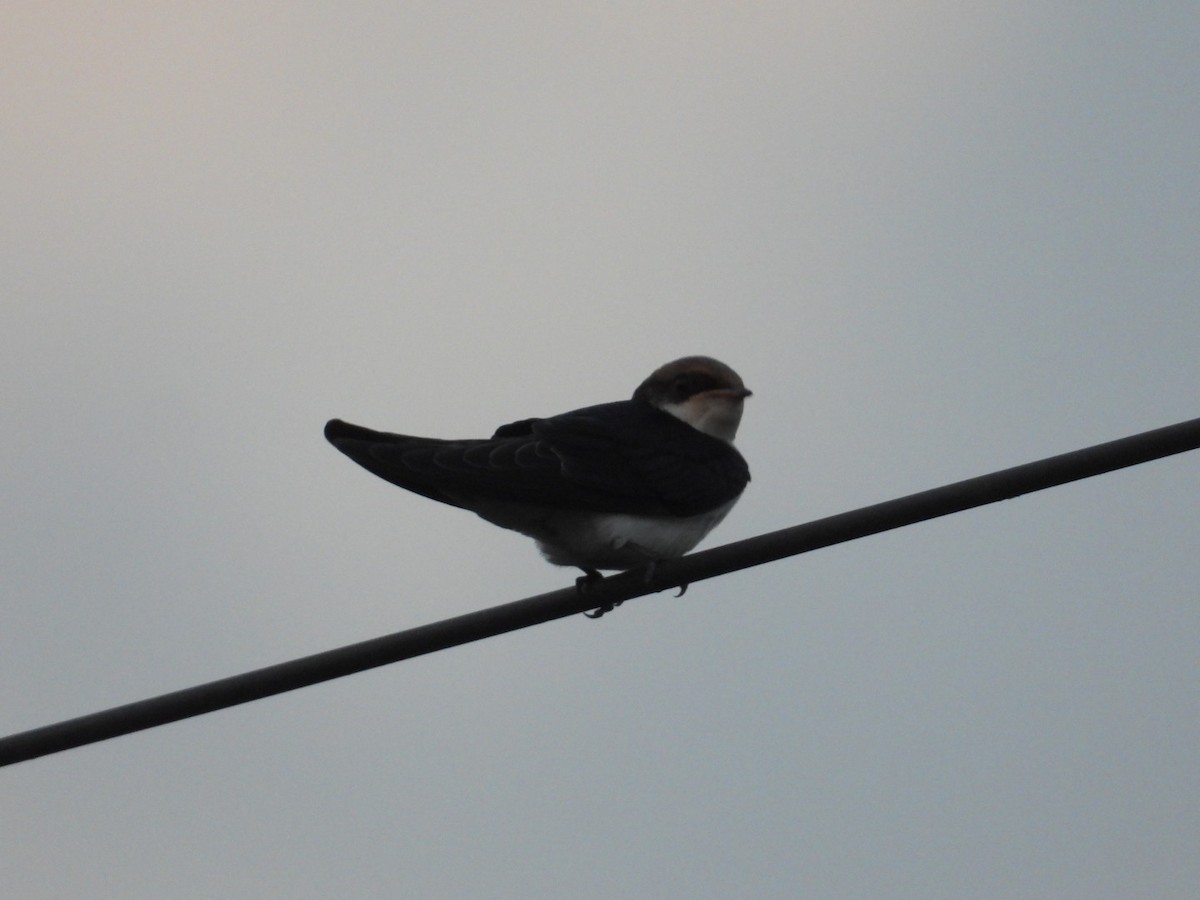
(401,459)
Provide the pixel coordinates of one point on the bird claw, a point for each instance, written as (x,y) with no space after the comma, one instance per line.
(591,576)
(652,568)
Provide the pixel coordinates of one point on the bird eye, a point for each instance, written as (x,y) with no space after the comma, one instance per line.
(688,383)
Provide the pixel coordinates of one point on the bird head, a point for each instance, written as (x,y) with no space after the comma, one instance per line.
(700,391)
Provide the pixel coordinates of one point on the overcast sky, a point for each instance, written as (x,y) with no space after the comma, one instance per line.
(935,238)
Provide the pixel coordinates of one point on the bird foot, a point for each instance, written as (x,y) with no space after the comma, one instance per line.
(651,568)
(590,577)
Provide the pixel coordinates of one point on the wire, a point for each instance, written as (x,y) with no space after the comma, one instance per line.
(764,548)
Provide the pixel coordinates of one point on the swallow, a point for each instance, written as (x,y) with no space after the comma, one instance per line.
(612,486)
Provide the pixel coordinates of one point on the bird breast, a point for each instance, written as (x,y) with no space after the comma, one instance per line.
(623,541)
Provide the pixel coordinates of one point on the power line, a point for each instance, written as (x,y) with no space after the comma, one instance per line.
(287,676)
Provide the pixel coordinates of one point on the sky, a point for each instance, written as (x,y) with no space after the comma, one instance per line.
(936,239)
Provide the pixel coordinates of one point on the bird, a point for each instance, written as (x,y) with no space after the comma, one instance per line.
(606,487)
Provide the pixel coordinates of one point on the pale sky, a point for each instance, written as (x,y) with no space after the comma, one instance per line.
(935,238)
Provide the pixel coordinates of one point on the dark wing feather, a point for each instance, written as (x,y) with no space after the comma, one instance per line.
(636,451)
(618,457)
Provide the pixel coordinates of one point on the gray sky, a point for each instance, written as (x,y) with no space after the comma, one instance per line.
(935,238)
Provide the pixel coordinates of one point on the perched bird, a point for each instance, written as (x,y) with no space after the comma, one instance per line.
(604,487)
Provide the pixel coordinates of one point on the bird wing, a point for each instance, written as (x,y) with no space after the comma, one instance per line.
(625,457)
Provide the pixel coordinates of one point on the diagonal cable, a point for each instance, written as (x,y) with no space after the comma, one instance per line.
(754,551)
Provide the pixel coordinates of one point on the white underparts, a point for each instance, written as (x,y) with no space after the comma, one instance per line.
(621,541)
